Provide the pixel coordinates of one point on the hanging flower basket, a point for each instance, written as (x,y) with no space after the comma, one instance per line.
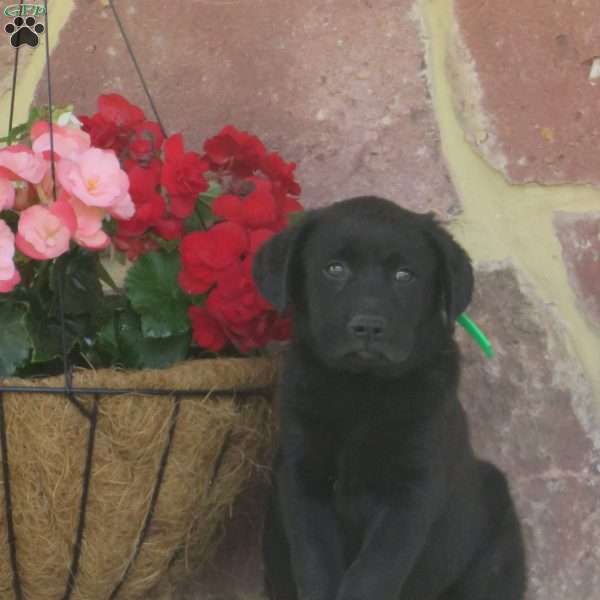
(112,488)
(132,414)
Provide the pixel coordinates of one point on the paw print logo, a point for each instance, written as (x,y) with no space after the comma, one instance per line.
(24,31)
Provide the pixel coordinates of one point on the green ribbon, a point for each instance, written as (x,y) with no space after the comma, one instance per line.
(473,330)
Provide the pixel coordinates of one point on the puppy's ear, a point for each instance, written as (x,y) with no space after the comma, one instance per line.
(456,271)
(274,264)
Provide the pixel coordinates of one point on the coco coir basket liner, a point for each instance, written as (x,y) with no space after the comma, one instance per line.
(150,460)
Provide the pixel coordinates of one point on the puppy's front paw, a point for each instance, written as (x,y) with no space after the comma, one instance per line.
(346,593)
(358,591)
(352,596)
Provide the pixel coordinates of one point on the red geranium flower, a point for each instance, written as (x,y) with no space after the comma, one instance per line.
(207,332)
(116,109)
(206,254)
(183,176)
(260,207)
(169,228)
(104,134)
(238,151)
(134,247)
(245,317)
(110,127)
(149,204)
(146,141)
(266,207)
(258,237)
(257,210)
(277,170)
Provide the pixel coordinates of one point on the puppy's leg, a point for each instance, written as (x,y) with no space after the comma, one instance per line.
(498,572)
(311,529)
(279,579)
(393,541)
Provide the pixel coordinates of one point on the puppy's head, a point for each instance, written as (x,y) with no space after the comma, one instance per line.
(373,287)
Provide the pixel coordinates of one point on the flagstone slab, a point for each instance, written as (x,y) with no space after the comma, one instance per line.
(579,235)
(338,87)
(526,80)
(533,414)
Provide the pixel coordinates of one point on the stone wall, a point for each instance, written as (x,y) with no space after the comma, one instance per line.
(487,113)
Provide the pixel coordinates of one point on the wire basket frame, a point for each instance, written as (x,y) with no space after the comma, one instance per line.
(174,395)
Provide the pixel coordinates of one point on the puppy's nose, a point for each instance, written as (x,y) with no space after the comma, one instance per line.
(367,326)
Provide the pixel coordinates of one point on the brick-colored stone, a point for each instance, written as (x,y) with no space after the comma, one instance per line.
(579,235)
(532,413)
(526,78)
(336,86)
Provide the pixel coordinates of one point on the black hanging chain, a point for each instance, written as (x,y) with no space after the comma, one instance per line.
(6,479)
(137,66)
(67,367)
(142,79)
(92,415)
(11,113)
(92,391)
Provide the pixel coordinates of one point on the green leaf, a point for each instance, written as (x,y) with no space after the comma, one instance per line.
(101,349)
(197,222)
(205,214)
(109,227)
(17,133)
(11,218)
(138,352)
(45,331)
(104,347)
(15,344)
(198,300)
(166,245)
(154,293)
(107,341)
(202,218)
(214,191)
(82,291)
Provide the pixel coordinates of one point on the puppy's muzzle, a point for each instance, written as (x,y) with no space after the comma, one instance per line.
(367,327)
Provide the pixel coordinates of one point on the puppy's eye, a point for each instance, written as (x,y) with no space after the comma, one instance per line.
(404,275)
(336,269)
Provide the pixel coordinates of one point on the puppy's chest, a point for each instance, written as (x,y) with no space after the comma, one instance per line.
(361,442)
(353,460)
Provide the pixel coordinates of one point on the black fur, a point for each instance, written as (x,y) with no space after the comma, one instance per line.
(377,493)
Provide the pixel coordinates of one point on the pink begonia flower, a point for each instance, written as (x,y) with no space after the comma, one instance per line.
(89,224)
(20,162)
(9,276)
(7,193)
(124,210)
(69,142)
(45,233)
(96,178)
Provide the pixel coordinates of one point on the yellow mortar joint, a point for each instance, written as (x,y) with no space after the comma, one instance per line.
(502,221)
(29,76)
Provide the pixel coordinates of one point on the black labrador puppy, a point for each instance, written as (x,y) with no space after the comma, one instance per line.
(377,493)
